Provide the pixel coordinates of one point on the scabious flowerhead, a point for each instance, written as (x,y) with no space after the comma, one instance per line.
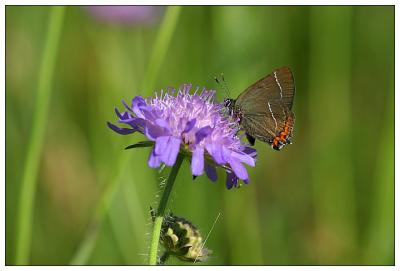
(125,14)
(193,125)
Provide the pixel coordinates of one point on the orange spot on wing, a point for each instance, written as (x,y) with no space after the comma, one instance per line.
(284,134)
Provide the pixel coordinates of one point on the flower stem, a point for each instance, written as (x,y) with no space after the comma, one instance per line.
(29,179)
(161,45)
(161,210)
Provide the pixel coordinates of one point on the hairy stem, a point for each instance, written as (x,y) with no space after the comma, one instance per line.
(161,210)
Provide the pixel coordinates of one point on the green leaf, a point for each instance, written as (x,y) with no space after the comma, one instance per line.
(141,144)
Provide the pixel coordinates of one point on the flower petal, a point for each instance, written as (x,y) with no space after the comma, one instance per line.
(239,169)
(164,124)
(122,131)
(154,160)
(231,180)
(161,145)
(202,133)
(244,158)
(250,151)
(171,152)
(189,125)
(198,161)
(120,116)
(127,106)
(154,131)
(138,103)
(148,114)
(215,150)
(226,154)
(211,172)
(136,123)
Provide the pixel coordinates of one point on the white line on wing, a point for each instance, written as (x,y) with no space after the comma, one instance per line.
(279,84)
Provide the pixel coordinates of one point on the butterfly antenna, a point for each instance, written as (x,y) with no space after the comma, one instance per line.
(221,81)
(225,85)
(208,235)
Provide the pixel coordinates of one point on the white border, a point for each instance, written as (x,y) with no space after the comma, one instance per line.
(3,137)
(200,2)
(225,268)
(396,135)
(180,2)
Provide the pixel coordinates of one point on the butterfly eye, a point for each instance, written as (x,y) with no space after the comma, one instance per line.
(227,102)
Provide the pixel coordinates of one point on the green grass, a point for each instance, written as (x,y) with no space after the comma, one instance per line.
(75,196)
(34,149)
(158,54)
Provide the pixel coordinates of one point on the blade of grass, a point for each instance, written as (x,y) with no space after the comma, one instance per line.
(29,179)
(250,249)
(330,115)
(86,246)
(380,239)
(160,48)
(127,221)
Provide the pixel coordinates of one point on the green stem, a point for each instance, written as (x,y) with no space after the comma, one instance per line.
(160,48)
(161,210)
(29,179)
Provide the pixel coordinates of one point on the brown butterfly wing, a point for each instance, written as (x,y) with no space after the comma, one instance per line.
(267,126)
(279,85)
(266,105)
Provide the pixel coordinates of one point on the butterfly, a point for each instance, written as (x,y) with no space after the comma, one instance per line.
(264,110)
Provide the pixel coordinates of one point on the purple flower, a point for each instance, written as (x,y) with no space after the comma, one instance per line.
(193,125)
(124,14)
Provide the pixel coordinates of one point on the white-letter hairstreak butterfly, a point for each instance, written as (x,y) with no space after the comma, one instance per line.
(264,109)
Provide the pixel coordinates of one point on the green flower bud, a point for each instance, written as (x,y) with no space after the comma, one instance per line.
(183,240)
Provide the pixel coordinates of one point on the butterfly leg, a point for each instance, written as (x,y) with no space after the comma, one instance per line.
(251,139)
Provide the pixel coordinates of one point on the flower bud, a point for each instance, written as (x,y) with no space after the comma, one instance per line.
(183,240)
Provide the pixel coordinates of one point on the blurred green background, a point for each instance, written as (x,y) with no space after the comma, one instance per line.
(327,199)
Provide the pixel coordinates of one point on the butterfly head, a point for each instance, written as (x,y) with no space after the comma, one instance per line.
(229,103)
